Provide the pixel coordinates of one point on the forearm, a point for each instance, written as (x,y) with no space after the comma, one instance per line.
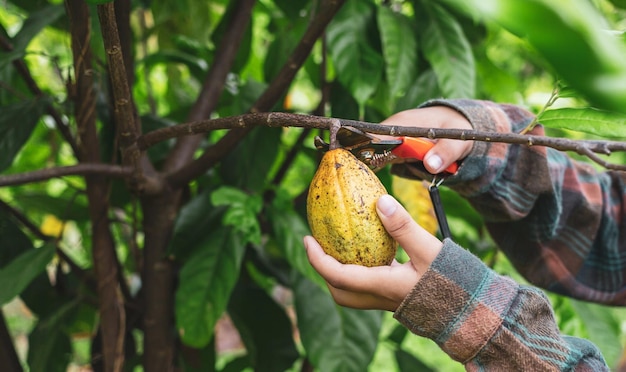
(559,221)
(487,321)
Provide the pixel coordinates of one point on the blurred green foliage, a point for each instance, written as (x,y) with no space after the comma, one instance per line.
(238,237)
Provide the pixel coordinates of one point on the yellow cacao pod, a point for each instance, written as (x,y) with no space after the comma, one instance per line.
(341,210)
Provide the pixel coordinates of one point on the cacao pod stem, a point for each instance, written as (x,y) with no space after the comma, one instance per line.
(335,125)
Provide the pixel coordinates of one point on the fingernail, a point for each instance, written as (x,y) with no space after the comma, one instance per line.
(434,162)
(387,205)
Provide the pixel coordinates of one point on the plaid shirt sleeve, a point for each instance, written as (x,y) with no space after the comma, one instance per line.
(562,225)
(488,322)
(560,222)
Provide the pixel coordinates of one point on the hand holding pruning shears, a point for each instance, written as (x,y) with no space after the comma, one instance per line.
(377,152)
(444,152)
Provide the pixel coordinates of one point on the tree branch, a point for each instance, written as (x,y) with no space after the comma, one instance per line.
(107,267)
(128,130)
(82,169)
(280,119)
(279,85)
(127,122)
(123,10)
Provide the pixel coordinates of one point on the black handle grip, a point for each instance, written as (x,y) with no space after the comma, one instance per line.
(433,191)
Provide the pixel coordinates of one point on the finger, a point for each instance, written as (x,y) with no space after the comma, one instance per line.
(353,278)
(365,301)
(421,246)
(444,153)
(391,282)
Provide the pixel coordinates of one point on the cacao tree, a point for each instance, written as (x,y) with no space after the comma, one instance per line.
(153,212)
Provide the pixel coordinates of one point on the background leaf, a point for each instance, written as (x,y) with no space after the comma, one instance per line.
(357,64)
(17,122)
(238,170)
(49,345)
(12,240)
(289,228)
(374,59)
(206,281)
(22,270)
(33,25)
(603,327)
(197,219)
(335,338)
(241,211)
(586,120)
(264,326)
(66,206)
(562,33)
(399,45)
(447,49)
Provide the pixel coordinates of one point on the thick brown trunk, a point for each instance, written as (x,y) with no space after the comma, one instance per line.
(111,303)
(158,282)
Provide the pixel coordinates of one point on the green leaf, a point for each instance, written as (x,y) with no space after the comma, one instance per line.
(49,347)
(12,240)
(197,219)
(587,120)
(202,360)
(264,327)
(424,88)
(399,45)
(278,52)
(619,3)
(343,105)
(196,65)
(17,122)
(289,229)
(22,270)
(42,297)
(36,22)
(335,338)
(449,52)
(249,163)
(572,38)
(358,66)
(206,281)
(241,213)
(398,334)
(66,206)
(291,9)
(603,328)
(408,362)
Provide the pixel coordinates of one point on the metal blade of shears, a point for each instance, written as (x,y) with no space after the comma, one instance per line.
(373,151)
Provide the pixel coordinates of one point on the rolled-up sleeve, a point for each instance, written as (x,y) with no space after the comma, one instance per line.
(489,322)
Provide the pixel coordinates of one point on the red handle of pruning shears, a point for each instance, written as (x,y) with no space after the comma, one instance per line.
(416,148)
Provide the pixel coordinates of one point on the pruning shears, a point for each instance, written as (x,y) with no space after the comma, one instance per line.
(377,153)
